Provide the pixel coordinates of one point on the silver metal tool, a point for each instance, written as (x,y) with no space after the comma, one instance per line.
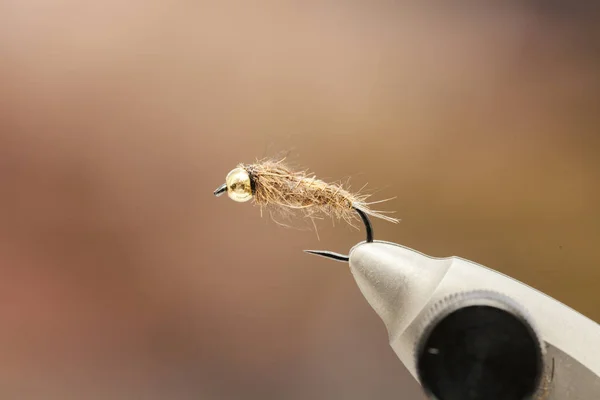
(419,298)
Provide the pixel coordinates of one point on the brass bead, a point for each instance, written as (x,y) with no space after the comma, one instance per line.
(239,187)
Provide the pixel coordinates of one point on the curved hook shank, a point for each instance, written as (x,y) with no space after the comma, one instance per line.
(341,257)
(367,222)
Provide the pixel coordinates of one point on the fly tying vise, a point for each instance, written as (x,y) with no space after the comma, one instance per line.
(271,184)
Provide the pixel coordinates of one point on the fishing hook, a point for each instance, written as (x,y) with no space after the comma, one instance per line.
(341,257)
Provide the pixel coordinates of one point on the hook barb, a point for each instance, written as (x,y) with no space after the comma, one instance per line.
(341,257)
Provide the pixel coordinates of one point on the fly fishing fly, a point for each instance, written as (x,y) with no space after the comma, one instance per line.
(275,187)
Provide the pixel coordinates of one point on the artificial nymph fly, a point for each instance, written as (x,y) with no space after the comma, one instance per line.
(274,186)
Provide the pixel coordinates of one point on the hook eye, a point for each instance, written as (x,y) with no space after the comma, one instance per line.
(221,189)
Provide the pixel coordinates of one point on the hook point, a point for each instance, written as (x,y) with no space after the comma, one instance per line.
(329,254)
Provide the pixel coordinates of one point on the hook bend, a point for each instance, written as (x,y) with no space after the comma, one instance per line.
(342,257)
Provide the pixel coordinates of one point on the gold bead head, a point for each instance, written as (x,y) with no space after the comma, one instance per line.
(239,187)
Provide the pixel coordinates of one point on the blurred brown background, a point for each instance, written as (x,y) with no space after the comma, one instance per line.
(122,277)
